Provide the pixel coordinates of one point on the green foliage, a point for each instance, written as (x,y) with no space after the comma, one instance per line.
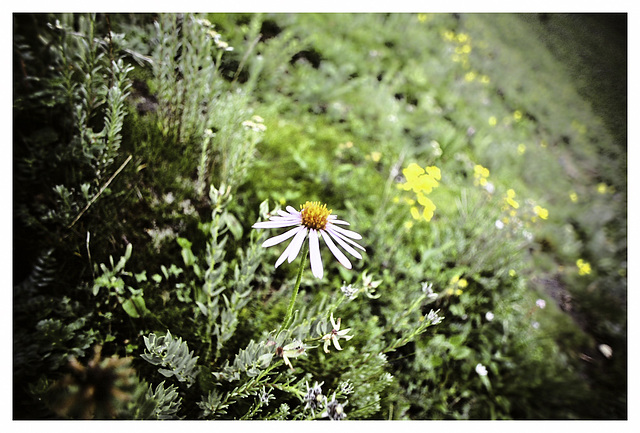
(480,312)
(159,404)
(112,280)
(174,357)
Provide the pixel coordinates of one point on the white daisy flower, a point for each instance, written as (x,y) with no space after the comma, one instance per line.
(313,221)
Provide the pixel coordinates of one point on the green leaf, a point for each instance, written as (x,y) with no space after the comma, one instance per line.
(234,225)
(135,307)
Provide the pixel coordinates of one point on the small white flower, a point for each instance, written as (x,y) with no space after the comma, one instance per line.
(313,221)
(489,187)
(314,399)
(346,387)
(335,334)
(535,325)
(481,370)
(334,410)
(489,316)
(606,350)
(541,303)
(433,317)
(292,350)
(428,289)
(349,291)
(499,225)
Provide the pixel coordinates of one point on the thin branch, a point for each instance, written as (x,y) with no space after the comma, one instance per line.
(95,197)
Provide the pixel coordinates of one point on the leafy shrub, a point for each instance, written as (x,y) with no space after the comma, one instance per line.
(490,225)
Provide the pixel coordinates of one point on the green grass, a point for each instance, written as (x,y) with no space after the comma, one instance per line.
(348,101)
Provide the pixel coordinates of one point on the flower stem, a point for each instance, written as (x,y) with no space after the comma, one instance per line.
(289,317)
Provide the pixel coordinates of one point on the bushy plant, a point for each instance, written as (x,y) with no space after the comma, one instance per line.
(469,233)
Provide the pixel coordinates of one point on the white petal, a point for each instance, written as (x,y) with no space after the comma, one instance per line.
(280,238)
(344,261)
(296,243)
(335,221)
(285,253)
(314,253)
(274,224)
(283,213)
(289,218)
(282,257)
(335,343)
(347,233)
(343,244)
(334,233)
(333,322)
(292,210)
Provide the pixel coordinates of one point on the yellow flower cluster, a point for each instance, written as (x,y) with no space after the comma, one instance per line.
(480,175)
(520,217)
(510,200)
(517,115)
(541,212)
(456,284)
(573,196)
(603,188)
(584,268)
(461,53)
(421,181)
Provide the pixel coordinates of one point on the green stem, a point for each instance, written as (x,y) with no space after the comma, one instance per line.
(288,318)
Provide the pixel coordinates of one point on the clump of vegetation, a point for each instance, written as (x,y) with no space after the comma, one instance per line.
(313,216)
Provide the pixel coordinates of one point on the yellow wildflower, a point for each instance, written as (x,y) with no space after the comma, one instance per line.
(429,208)
(414,213)
(584,268)
(511,194)
(456,284)
(480,175)
(484,79)
(375,156)
(541,212)
(470,76)
(493,121)
(462,38)
(602,188)
(573,196)
(517,115)
(434,172)
(521,148)
(421,181)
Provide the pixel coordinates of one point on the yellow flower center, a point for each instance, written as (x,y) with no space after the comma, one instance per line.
(314,215)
